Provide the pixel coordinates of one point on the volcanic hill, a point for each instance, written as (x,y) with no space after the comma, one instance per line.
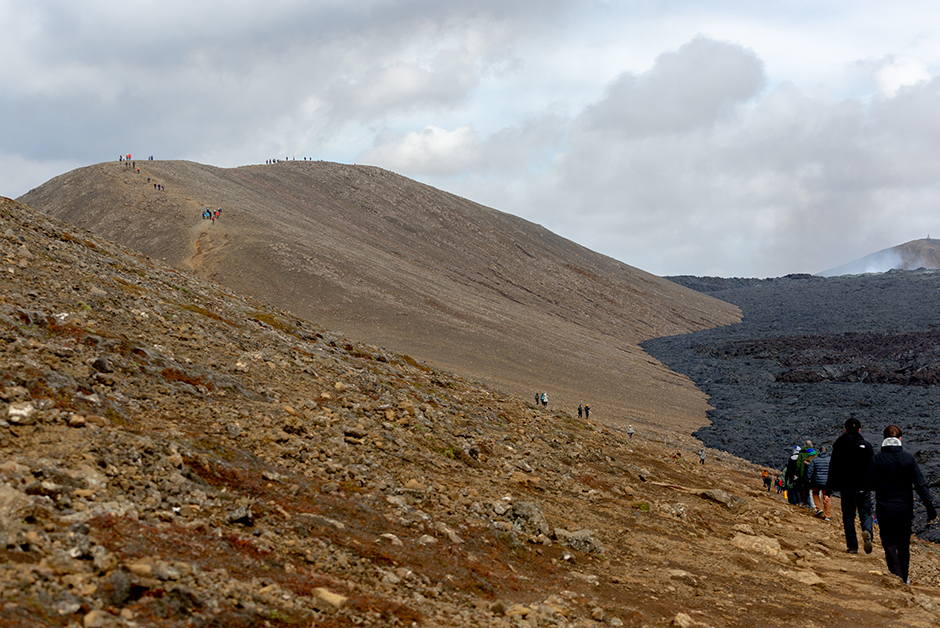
(399,264)
(911,255)
(174,454)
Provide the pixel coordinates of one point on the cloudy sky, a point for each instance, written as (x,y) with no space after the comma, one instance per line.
(730,138)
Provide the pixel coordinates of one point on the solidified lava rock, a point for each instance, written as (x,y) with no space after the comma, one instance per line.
(812,352)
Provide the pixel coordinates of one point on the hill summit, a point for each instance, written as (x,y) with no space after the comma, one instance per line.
(402,265)
(911,255)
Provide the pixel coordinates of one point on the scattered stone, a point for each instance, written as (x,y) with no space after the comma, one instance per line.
(95,619)
(681,620)
(13,393)
(332,600)
(733,503)
(444,529)
(744,528)
(21,413)
(760,544)
(682,576)
(580,540)
(805,577)
(528,518)
(241,515)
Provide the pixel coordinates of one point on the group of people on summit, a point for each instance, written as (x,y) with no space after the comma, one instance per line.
(854,470)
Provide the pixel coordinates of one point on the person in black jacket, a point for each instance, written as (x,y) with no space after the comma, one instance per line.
(850,475)
(790,478)
(894,472)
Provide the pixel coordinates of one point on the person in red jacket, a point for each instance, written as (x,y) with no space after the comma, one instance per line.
(895,472)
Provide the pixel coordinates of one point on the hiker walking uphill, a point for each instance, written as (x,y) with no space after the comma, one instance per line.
(850,476)
(802,485)
(817,476)
(790,477)
(894,472)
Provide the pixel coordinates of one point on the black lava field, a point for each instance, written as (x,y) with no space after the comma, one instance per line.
(812,352)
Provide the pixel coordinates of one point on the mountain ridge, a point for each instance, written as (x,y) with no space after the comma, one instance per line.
(398,263)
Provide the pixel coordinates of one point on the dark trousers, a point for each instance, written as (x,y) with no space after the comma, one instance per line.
(793,495)
(895,532)
(852,502)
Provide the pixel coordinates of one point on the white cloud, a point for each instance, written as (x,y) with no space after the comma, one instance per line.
(897,71)
(433,151)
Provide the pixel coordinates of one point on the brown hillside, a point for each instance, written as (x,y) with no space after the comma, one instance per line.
(174,455)
(400,264)
(919,254)
(911,255)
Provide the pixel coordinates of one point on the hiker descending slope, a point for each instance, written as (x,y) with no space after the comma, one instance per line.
(850,475)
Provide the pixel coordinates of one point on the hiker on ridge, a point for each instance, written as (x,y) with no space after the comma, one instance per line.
(850,475)
(894,472)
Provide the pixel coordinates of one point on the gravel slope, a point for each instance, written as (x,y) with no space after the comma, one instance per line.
(405,266)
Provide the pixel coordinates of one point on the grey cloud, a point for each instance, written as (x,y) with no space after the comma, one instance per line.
(470,159)
(195,78)
(444,81)
(767,183)
(686,89)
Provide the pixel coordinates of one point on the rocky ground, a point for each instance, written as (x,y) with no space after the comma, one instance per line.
(174,454)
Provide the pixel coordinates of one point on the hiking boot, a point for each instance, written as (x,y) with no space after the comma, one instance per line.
(852,550)
(866,539)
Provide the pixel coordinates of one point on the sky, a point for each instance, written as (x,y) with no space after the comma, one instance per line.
(724,138)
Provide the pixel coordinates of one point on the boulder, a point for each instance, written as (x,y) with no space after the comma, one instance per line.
(581,540)
(735,504)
